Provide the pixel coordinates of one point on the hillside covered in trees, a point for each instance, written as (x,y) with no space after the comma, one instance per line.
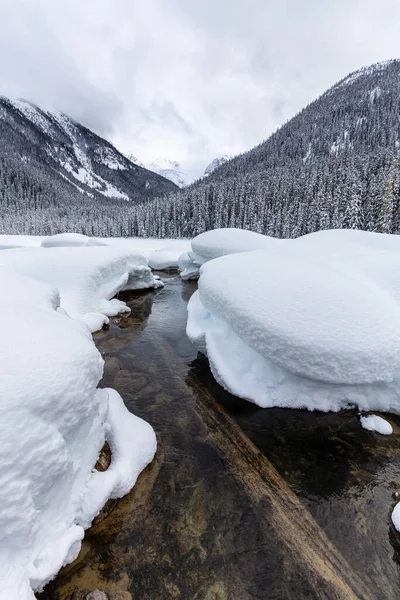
(49,163)
(335,164)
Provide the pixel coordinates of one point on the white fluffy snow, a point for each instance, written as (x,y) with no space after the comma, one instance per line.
(87,278)
(65,240)
(19,241)
(53,423)
(312,322)
(375,423)
(221,242)
(167,257)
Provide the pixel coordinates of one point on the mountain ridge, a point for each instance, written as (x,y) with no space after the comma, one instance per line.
(335,164)
(54,151)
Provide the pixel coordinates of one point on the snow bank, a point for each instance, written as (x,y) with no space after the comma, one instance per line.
(143,246)
(312,322)
(221,242)
(87,278)
(189,264)
(375,423)
(19,241)
(53,423)
(65,239)
(167,257)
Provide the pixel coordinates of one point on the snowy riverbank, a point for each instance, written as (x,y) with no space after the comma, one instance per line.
(54,420)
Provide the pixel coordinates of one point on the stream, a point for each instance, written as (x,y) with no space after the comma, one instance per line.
(240,502)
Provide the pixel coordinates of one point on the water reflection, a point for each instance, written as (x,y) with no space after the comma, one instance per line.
(210,518)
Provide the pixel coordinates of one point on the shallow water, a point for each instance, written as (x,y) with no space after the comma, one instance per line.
(213,517)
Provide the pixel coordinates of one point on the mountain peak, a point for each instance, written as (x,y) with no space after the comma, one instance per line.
(217,162)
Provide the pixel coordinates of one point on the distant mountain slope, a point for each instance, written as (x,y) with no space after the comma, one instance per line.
(175,172)
(335,164)
(48,159)
(172,170)
(217,162)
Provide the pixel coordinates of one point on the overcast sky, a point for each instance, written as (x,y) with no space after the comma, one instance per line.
(187,79)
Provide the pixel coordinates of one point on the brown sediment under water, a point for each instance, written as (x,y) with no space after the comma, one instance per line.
(240,502)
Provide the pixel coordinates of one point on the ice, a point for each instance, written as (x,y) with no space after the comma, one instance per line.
(53,424)
(87,278)
(375,423)
(312,322)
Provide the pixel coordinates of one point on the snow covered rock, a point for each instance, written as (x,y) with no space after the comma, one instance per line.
(304,323)
(87,278)
(375,423)
(53,424)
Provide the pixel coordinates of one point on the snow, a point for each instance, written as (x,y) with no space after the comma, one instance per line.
(396,516)
(167,257)
(361,72)
(312,322)
(189,264)
(133,444)
(374,94)
(375,423)
(221,242)
(217,162)
(65,239)
(54,422)
(19,241)
(109,159)
(308,153)
(170,169)
(32,113)
(87,278)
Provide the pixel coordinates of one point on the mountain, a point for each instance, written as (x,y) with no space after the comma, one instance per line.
(217,162)
(335,164)
(172,170)
(47,159)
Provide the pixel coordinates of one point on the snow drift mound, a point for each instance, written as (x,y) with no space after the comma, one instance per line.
(221,242)
(53,423)
(87,278)
(306,323)
(167,257)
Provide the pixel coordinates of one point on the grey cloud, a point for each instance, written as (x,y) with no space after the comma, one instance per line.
(183,79)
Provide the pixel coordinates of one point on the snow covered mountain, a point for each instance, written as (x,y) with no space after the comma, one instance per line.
(46,157)
(170,169)
(217,162)
(335,164)
(173,170)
